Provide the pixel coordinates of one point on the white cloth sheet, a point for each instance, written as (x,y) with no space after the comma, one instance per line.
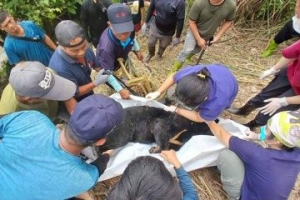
(199,152)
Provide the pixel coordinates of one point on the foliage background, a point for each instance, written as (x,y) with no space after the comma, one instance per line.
(47,13)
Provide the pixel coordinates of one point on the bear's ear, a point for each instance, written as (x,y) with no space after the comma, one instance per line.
(100,142)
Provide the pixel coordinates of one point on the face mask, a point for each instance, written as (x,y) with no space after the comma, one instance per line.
(125,43)
(296,24)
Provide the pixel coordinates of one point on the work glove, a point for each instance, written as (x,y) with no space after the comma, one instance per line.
(143,29)
(250,135)
(153,95)
(267,73)
(273,105)
(100,78)
(174,42)
(170,108)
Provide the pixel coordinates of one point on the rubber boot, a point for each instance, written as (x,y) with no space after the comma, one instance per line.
(270,49)
(176,66)
(151,53)
(160,52)
(189,57)
(252,124)
(245,110)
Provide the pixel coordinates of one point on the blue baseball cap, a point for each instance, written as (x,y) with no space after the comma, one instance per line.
(94,117)
(119,16)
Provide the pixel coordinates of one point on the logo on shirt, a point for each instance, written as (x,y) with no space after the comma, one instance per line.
(47,80)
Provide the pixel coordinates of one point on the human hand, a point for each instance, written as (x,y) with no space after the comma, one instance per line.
(213,40)
(170,108)
(273,105)
(250,135)
(100,78)
(267,73)
(174,42)
(153,95)
(201,43)
(143,29)
(125,94)
(170,157)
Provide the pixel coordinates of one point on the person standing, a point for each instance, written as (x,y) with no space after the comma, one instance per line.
(94,19)
(290,30)
(205,17)
(25,41)
(136,7)
(168,18)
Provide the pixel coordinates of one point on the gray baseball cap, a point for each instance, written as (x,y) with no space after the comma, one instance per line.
(33,79)
(120,18)
(66,31)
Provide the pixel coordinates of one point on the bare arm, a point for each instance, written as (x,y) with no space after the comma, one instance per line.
(283,62)
(293,99)
(85,89)
(297,8)
(70,105)
(191,115)
(225,26)
(220,133)
(200,41)
(49,42)
(168,83)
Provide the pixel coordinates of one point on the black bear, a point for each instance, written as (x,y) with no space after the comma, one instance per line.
(145,124)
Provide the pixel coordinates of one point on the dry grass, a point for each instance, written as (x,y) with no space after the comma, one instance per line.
(242,56)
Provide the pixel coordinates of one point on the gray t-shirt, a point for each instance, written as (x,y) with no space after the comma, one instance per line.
(209,17)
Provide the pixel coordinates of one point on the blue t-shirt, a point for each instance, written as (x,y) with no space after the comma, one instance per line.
(110,49)
(74,71)
(32,163)
(223,89)
(269,173)
(18,50)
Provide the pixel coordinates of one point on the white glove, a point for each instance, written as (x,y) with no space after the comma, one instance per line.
(170,108)
(175,42)
(100,78)
(143,29)
(296,24)
(153,95)
(249,135)
(273,106)
(267,73)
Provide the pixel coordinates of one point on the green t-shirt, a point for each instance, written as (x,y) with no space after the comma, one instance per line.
(209,17)
(9,104)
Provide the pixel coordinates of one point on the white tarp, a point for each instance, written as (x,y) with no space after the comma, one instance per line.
(199,152)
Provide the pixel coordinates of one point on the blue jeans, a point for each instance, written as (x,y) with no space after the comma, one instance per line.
(190,47)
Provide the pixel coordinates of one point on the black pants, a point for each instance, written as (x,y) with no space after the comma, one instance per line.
(287,32)
(278,87)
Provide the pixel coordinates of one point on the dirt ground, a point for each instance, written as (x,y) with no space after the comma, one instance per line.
(241,53)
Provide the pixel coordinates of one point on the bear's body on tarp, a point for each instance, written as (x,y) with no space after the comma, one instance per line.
(145,124)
